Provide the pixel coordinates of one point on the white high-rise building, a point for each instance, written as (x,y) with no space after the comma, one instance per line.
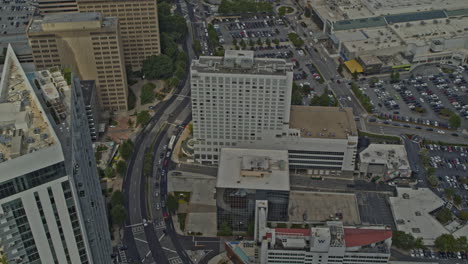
(51,207)
(238,99)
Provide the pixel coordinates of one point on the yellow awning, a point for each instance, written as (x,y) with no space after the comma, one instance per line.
(353,66)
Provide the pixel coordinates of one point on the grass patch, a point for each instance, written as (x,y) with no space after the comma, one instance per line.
(285,10)
(182,197)
(380,138)
(447,70)
(182,218)
(364,99)
(147,93)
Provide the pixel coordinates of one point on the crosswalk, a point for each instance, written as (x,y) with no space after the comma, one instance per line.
(123,256)
(175,260)
(138,229)
(159,225)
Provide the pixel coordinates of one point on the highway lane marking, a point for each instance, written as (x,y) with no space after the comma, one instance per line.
(173,251)
(141,240)
(147,254)
(161,237)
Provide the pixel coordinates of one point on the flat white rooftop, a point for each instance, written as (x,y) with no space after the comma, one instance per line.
(24,127)
(253,169)
(411,210)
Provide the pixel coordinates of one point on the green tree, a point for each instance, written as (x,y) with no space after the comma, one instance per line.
(190,127)
(457,199)
(340,68)
(173,82)
(197,46)
(444,215)
(242,44)
(213,35)
(259,42)
(143,118)
(251,229)
(268,42)
(234,42)
(449,193)
(126,149)
(276,41)
(296,97)
(446,242)
(432,179)
(147,93)
(406,241)
(397,76)
(172,203)
(109,172)
(307,12)
(224,229)
(355,75)
(454,121)
(118,215)
(121,168)
(158,67)
(295,40)
(171,24)
(117,198)
(130,123)
(251,43)
(464,215)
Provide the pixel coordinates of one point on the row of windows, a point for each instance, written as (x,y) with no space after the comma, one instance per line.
(314,157)
(32,179)
(314,162)
(315,152)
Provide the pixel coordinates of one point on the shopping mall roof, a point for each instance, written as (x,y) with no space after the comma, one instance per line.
(457,12)
(359,23)
(415,16)
(355,237)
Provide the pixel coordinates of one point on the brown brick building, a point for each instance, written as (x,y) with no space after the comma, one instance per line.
(90,45)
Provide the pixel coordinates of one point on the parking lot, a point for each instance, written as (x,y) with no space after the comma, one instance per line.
(421,99)
(267,36)
(451,164)
(14,16)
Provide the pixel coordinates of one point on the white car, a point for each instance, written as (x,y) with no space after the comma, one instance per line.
(441,132)
(145,223)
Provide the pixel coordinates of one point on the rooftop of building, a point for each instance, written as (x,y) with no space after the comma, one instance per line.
(240,62)
(353,10)
(24,127)
(419,32)
(393,156)
(253,169)
(245,250)
(357,40)
(411,210)
(331,235)
(52,83)
(323,122)
(71,21)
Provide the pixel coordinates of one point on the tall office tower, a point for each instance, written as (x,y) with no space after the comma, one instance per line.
(90,45)
(51,208)
(237,99)
(138,20)
(54,6)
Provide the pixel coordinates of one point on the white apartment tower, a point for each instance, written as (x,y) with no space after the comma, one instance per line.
(237,99)
(51,207)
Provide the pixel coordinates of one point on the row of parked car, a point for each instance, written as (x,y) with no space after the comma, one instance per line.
(436,255)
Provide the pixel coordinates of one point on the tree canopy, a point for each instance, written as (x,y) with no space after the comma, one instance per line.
(147,93)
(121,167)
(172,24)
(117,198)
(143,118)
(158,67)
(244,7)
(454,121)
(126,149)
(404,240)
(118,214)
(447,242)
